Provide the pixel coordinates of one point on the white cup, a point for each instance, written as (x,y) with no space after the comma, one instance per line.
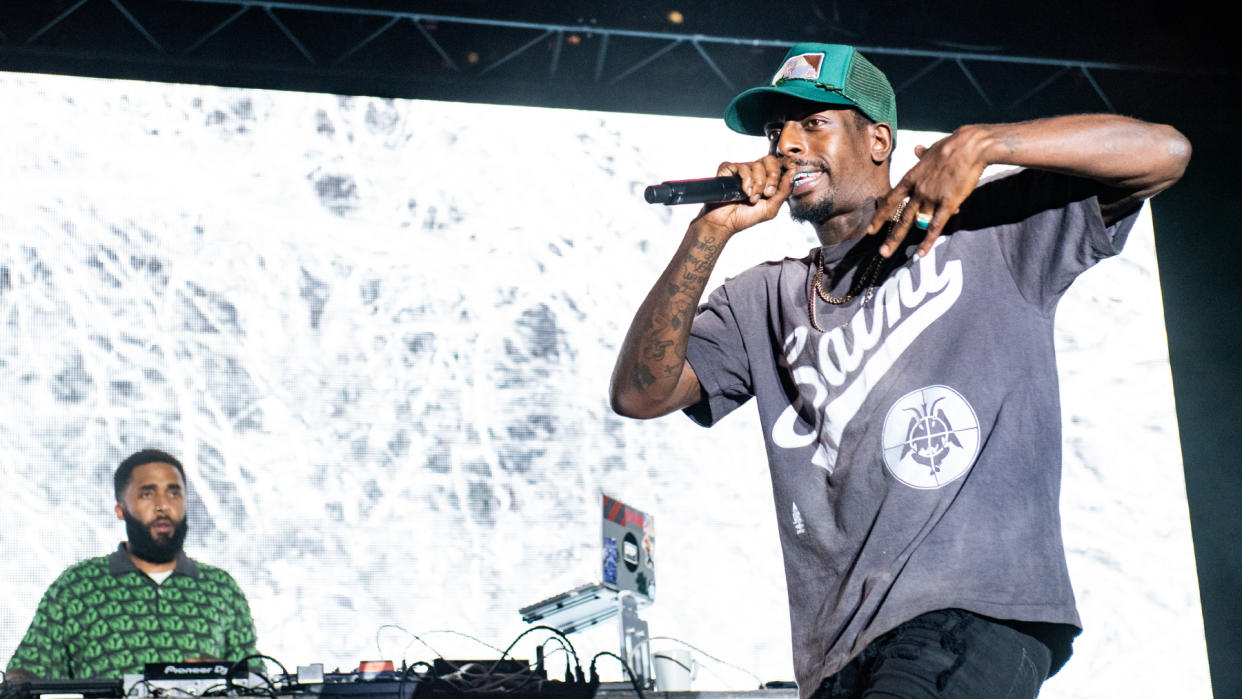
(674,669)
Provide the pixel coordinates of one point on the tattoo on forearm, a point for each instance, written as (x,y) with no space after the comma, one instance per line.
(708,246)
(661,342)
(702,268)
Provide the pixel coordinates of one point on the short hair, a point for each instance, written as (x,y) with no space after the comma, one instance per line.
(120,480)
(862,121)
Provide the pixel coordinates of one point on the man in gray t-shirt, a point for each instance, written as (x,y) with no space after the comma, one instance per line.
(904,370)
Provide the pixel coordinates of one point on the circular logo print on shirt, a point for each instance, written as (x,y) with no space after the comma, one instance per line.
(931,437)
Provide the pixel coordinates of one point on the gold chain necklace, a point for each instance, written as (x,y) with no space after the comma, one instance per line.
(865,280)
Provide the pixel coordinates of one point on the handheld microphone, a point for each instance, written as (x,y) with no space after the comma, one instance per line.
(708,191)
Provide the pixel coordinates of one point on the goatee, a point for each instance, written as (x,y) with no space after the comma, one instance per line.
(813,213)
(154,549)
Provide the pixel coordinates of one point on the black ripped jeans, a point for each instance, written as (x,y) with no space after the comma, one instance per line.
(943,654)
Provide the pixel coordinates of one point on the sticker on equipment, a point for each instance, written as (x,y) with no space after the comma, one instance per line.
(931,437)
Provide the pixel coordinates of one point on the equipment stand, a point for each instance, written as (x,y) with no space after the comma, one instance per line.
(635,645)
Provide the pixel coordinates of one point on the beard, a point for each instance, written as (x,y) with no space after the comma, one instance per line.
(812,212)
(152,549)
(815,207)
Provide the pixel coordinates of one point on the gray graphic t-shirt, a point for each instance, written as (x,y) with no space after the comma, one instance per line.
(915,444)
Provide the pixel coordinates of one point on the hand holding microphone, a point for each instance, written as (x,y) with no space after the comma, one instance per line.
(735,182)
(740,196)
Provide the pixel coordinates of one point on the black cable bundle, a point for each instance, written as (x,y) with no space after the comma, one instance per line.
(273,692)
(506,678)
(628,672)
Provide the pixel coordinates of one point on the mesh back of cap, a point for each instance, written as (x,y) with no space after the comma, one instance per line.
(871,92)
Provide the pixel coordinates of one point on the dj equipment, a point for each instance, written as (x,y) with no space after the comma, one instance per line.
(191,678)
(627,552)
(449,679)
(628,583)
(64,689)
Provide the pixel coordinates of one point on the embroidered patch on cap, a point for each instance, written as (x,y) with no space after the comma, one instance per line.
(805,66)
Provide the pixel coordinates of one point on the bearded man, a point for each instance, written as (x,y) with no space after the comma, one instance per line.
(146,602)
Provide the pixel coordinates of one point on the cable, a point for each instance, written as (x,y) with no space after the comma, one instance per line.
(558,632)
(633,678)
(524,677)
(481,678)
(563,649)
(150,687)
(418,636)
(691,668)
(705,654)
(415,637)
(438,655)
(477,678)
(464,635)
(473,679)
(558,641)
(675,661)
(228,676)
(405,671)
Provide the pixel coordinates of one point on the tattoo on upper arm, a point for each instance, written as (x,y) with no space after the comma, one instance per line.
(658,348)
(683,313)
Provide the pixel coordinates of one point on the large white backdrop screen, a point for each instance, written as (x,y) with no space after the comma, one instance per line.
(379,333)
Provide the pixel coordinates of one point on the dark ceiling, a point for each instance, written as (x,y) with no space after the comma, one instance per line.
(683,57)
(951,62)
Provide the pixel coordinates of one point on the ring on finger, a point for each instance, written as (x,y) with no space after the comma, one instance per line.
(923,220)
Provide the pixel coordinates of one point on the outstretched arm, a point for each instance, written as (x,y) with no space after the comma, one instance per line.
(652,377)
(1134,159)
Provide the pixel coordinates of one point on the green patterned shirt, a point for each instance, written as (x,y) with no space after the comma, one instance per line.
(104,618)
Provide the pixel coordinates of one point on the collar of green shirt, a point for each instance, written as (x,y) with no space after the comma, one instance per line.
(119,563)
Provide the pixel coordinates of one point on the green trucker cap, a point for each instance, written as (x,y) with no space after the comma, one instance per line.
(823,73)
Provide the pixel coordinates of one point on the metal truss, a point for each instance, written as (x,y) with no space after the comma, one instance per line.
(528,38)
